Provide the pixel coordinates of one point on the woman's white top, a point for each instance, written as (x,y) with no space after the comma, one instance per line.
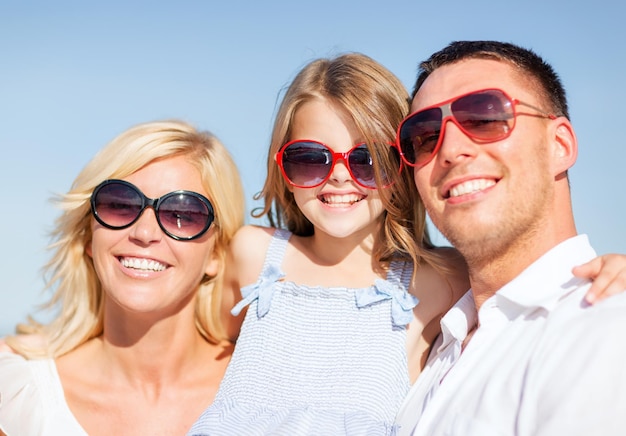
(32,402)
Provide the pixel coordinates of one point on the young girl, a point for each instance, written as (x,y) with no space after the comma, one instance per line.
(345,291)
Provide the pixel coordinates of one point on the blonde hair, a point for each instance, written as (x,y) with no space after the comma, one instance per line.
(78,293)
(376,101)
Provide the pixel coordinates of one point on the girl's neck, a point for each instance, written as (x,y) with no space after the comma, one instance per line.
(321,260)
(331,250)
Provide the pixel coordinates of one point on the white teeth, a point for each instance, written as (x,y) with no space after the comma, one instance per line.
(471,186)
(341,199)
(142,264)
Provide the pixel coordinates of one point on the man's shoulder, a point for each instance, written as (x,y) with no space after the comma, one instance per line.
(573,313)
(575,307)
(606,313)
(577,364)
(577,326)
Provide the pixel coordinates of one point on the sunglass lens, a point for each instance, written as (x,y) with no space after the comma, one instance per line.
(419,135)
(361,166)
(117,205)
(306,163)
(486,115)
(184,215)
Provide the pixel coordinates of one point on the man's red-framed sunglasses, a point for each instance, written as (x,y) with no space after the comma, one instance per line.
(487,115)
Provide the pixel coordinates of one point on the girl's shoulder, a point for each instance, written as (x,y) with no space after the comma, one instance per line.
(252,232)
(251,241)
(439,285)
(246,254)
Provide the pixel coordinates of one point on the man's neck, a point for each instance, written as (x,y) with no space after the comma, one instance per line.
(489,275)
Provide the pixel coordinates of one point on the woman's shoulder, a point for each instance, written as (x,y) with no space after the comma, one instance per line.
(32,399)
(19,374)
(4,348)
(34,342)
(23,403)
(10,360)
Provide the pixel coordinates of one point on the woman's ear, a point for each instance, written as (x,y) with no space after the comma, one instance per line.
(565,151)
(212,266)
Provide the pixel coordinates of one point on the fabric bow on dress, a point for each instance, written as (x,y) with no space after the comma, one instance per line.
(402,303)
(263,290)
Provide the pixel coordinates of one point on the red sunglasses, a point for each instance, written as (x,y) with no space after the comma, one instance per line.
(486,116)
(307,164)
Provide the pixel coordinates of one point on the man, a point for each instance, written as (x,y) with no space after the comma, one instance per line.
(522,353)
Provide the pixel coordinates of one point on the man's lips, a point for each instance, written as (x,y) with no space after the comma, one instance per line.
(469,187)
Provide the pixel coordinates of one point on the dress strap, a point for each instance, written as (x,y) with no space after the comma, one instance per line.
(394,288)
(276,250)
(263,290)
(400,271)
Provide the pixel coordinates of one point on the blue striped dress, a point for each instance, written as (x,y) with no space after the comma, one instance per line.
(314,360)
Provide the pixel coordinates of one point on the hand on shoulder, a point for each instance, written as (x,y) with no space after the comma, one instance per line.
(608,273)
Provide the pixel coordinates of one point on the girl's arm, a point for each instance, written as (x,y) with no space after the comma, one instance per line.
(244,262)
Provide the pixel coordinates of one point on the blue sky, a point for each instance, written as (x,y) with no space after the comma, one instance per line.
(75,74)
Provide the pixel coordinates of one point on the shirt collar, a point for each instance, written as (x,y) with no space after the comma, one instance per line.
(542,284)
(458,321)
(546,280)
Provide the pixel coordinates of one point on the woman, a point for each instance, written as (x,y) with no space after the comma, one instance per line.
(138,345)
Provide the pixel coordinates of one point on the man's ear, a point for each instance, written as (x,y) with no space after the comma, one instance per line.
(565,150)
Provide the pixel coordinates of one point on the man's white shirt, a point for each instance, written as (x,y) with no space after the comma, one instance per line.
(542,362)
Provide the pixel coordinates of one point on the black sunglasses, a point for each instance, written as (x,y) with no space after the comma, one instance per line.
(182,215)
